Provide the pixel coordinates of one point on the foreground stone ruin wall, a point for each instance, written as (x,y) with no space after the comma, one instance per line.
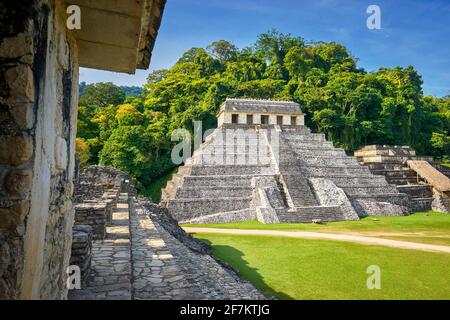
(38,101)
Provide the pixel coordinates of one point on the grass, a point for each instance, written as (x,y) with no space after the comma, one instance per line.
(426,227)
(289,268)
(153,191)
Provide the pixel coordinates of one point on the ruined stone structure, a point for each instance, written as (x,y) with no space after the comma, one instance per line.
(81,253)
(274,171)
(39,60)
(423,180)
(143,253)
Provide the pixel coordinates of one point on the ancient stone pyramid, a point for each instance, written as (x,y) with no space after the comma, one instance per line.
(262,163)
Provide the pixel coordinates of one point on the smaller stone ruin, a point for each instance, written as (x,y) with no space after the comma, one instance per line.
(82,250)
(425,181)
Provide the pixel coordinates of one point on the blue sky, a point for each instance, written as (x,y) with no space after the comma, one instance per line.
(414,32)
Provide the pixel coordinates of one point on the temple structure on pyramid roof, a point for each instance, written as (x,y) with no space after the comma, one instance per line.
(264,112)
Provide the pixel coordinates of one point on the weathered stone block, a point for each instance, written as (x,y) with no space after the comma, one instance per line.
(12,216)
(93,215)
(14,150)
(63,53)
(16,47)
(5,257)
(61,154)
(23,115)
(18,182)
(82,249)
(21,84)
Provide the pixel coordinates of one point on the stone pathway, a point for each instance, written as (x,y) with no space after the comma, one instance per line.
(328,236)
(206,278)
(156,274)
(110,277)
(149,263)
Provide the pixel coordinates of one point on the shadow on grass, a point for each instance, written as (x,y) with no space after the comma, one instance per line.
(234,258)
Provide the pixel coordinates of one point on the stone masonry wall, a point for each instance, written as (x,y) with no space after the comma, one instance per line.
(93,215)
(38,101)
(82,250)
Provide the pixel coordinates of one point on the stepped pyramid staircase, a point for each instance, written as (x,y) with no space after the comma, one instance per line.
(393,162)
(276,174)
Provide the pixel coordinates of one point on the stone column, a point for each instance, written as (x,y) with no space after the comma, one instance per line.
(38,67)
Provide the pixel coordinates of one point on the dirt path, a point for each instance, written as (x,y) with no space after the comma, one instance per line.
(327,236)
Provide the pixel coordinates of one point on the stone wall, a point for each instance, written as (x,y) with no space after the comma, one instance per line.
(96,193)
(38,101)
(82,250)
(93,215)
(94,181)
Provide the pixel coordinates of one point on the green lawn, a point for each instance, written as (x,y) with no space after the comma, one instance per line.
(289,268)
(426,227)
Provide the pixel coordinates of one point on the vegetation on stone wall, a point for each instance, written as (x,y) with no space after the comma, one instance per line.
(351,106)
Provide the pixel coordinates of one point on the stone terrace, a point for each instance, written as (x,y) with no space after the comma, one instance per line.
(140,260)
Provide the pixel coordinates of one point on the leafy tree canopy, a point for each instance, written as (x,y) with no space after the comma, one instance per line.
(351,106)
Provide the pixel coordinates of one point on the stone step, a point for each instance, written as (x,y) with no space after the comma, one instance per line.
(299,144)
(391,159)
(238,140)
(218,181)
(308,214)
(325,171)
(213,192)
(316,137)
(300,191)
(296,130)
(416,191)
(398,199)
(230,159)
(306,138)
(401,181)
(171,187)
(384,166)
(363,181)
(252,146)
(362,191)
(327,160)
(224,217)
(420,204)
(400,173)
(198,170)
(186,209)
(320,151)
